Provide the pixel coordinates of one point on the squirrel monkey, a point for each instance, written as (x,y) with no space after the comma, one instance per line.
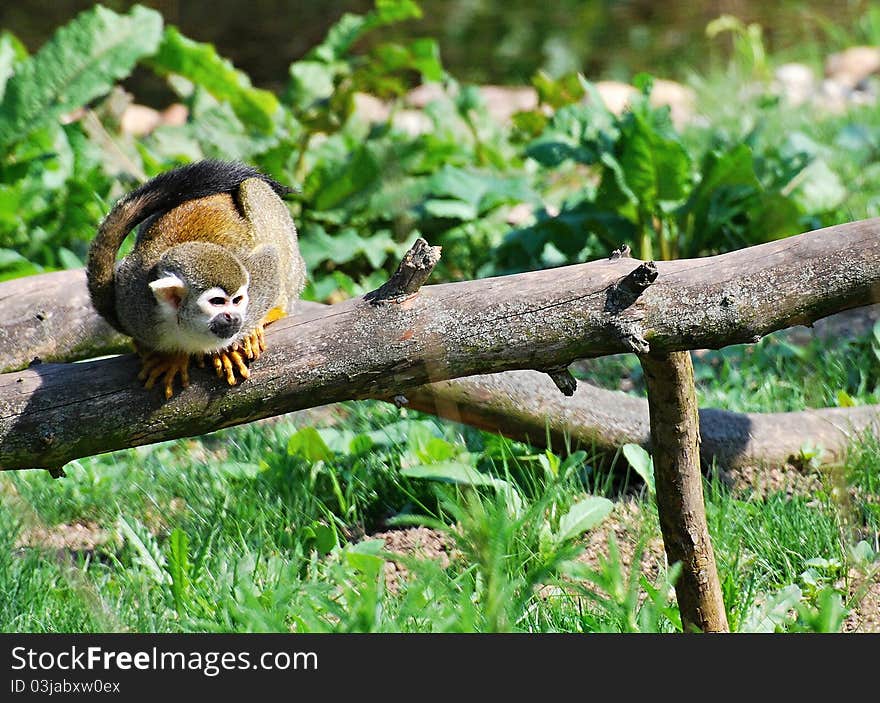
(214,261)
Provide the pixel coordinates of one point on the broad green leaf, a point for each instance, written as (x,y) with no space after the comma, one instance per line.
(829,614)
(862,553)
(68,259)
(655,167)
(559,92)
(582,516)
(310,81)
(350,27)
(844,399)
(452,472)
(452,209)
(221,135)
(819,188)
(642,463)
(13,264)
(773,612)
(734,167)
(425,58)
(390,11)
(324,536)
(238,469)
(332,183)
(317,246)
(201,64)
(308,444)
(365,556)
(336,439)
(774,216)
(340,38)
(466,475)
(482,190)
(436,450)
(83,60)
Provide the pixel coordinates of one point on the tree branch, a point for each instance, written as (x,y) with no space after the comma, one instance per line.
(538,320)
(675,438)
(526,406)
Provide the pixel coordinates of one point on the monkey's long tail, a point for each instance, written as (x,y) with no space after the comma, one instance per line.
(160,194)
(101,262)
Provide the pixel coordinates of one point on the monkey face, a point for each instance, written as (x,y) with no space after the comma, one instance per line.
(224,312)
(195,322)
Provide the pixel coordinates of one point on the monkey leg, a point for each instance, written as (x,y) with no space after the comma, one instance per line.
(166,365)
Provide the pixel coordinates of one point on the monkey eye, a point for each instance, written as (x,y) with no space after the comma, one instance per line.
(217,301)
(237,299)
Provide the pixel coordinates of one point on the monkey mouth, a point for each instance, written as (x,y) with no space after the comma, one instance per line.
(225,328)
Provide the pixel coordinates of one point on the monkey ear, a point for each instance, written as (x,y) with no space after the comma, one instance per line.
(169,290)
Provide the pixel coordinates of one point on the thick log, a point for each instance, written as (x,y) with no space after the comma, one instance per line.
(539,320)
(526,406)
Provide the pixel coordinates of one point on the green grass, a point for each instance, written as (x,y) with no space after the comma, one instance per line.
(266,528)
(774,375)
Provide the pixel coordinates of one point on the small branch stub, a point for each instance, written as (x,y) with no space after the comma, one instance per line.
(563,379)
(400,400)
(622,252)
(627,290)
(415,268)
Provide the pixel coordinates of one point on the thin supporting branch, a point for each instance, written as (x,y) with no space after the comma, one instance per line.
(564,380)
(675,441)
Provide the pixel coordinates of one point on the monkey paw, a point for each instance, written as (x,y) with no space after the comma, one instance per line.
(233,362)
(167,366)
(229,362)
(254,344)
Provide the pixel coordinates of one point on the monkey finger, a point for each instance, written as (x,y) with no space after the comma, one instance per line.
(155,372)
(246,347)
(218,364)
(240,365)
(147,365)
(230,373)
(169,383)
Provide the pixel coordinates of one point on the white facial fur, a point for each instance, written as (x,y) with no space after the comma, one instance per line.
(214,301)
(188,330)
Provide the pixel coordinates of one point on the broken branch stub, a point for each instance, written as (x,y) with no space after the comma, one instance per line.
(414,269)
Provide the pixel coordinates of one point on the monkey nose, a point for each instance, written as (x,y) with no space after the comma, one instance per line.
(225,324)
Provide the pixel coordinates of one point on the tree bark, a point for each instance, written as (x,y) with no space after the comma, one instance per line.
(360,349)
(49,317)
(675,439)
